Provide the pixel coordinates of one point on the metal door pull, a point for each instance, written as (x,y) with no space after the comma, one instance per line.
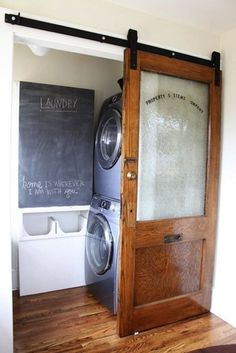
(173,238)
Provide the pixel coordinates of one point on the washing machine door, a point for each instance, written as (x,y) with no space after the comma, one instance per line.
(108,138)
(99,244)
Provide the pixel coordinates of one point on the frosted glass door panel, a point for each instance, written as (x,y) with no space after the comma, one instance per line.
(172,147)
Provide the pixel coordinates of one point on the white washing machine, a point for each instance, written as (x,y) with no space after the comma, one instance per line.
(101,250)
(107,161)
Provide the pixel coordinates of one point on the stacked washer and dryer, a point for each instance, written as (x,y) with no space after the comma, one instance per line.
(102,238)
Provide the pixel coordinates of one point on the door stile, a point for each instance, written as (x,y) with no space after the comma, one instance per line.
(212,186)
(129,157)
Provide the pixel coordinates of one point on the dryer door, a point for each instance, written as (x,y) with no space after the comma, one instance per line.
(99,244)
(108,138)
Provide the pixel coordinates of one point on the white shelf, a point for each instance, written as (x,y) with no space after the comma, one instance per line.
(54,209)
(54,237)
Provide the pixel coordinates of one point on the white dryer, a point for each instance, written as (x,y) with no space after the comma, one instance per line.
(107,161)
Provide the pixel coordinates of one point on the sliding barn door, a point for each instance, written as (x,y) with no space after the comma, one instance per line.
(169,191)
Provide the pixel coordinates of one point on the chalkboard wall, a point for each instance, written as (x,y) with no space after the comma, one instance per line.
(55,145)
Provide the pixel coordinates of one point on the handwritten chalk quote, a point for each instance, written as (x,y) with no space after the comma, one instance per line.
(66,188)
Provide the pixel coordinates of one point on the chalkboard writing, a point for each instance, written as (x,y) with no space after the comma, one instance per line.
(55,145)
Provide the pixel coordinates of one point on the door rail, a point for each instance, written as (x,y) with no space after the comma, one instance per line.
(131,42)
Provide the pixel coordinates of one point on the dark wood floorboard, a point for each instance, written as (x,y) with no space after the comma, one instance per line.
(73,321)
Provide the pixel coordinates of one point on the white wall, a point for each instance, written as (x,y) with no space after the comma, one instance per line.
(224,294)
(102,16)
(68,69)
(6,50)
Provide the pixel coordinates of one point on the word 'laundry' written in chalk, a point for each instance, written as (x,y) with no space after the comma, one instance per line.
(59,104)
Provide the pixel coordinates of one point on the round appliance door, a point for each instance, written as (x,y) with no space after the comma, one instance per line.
(108,138)
(99,244)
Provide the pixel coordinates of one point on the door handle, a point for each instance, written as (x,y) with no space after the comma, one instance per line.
(131,175)
(172,238)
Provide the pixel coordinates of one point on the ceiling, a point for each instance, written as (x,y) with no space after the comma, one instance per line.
(213,15)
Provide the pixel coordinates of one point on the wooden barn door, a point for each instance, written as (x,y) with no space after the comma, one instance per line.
(171,132)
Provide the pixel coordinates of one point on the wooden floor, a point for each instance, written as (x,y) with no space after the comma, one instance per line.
(73,321)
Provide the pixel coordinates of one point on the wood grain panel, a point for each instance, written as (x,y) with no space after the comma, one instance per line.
(167,271)
(169,310)
(153,232)
(175,67)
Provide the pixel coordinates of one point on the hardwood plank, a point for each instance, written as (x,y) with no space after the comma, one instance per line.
(73,321)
